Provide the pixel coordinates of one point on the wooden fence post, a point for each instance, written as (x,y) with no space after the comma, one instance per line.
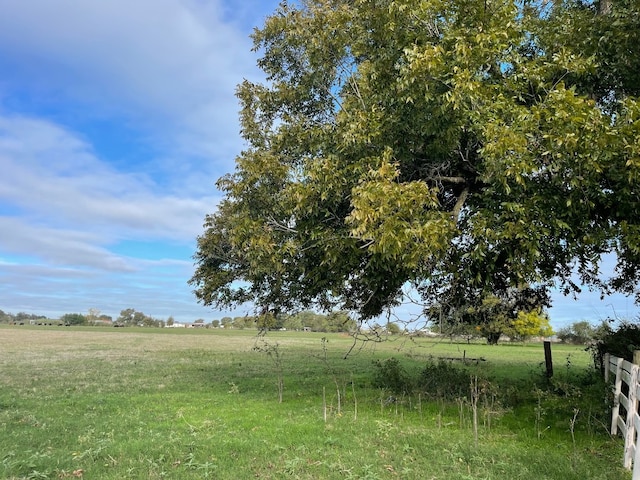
(547,359)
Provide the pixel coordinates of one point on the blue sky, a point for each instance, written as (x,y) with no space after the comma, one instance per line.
(116,119)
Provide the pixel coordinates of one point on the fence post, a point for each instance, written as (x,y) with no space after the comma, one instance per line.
(617,391)
(636,423)
(630,436)
(547,359)
(633,453)
(607,359)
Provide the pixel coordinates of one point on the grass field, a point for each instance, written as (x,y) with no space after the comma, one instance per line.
(134,403)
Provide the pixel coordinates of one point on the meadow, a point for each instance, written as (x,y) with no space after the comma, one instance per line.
(100,403)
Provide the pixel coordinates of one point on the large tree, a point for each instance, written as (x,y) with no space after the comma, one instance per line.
(467,148)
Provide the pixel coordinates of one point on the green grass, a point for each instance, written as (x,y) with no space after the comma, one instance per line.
(134,403)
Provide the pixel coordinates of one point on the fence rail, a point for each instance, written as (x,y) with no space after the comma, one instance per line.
(625,418)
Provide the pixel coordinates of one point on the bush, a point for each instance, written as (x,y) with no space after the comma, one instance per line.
(621,342)
(392,376)
(438,380)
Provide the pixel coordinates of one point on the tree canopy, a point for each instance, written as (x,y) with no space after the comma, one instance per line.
(73,319)
(467,148)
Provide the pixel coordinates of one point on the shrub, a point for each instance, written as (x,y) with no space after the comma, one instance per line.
(621,342)
(392,376)
(444,380)
(438,380)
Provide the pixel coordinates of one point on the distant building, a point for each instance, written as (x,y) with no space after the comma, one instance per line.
(102,322)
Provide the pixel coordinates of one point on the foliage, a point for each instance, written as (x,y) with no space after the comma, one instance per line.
(444,380)
(621,342)
(463,147)
(333,322)
(337,321)
(439,379)
(459,329)
(583,332)
(73,319)
(516,312)
(392,376)
(392,328)
(20,317)
(533,323)
(129,317)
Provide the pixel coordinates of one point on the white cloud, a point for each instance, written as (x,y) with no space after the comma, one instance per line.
(170,64)
(59,247)
(56,179)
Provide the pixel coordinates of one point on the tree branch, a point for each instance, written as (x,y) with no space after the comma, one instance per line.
(272,222)
(455,213)
(449,179)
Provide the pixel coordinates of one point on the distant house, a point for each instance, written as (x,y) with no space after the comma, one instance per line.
(177,325)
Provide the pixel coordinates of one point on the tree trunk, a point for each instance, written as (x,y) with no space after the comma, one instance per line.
(493,337)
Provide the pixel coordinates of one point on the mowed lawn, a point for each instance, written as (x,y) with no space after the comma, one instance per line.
(100,403)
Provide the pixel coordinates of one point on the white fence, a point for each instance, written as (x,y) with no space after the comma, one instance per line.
(625,417)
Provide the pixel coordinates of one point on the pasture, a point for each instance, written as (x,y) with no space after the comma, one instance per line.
(99,403)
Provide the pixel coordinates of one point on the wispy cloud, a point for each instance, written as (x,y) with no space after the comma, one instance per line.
(58,246)
(55,178)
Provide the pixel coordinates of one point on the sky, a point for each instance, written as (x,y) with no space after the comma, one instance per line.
(116,119)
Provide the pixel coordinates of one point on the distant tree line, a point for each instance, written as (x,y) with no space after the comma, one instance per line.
(20,317)
(584,333)
(128,317)
(338,321)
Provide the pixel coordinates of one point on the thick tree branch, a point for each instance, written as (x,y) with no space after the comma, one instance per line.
(460,203)
(448,179)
